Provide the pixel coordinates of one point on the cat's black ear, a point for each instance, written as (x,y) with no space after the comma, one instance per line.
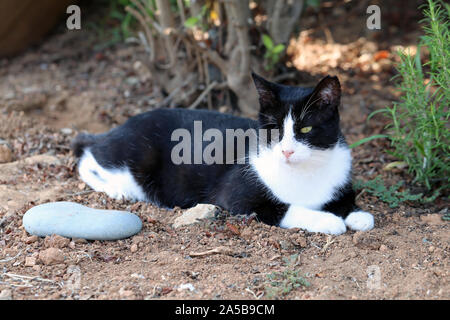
(266,90)
(328,92)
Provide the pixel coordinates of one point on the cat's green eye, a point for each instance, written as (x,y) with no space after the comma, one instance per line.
(305,129)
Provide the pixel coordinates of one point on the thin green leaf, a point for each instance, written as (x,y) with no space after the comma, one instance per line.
(267,41)
(376,112)
(417,60)
(278,48)
(367,139)
(191,22)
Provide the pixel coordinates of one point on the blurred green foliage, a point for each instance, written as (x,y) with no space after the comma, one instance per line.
(273,52)
(115,26)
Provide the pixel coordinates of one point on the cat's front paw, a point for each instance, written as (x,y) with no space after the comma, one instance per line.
(329,224)
(360,221)
(313,221)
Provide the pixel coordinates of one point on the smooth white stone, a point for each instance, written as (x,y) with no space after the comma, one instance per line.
(195,214)
(73,220)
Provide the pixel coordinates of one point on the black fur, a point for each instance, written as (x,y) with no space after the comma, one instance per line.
(82,141)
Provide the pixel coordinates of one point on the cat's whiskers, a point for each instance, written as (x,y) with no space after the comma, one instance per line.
(307,101)
(307,106)
(268,116)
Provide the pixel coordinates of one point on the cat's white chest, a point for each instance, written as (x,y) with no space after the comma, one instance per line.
(309,184)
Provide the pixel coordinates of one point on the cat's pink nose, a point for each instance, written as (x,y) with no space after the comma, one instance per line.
(287,153)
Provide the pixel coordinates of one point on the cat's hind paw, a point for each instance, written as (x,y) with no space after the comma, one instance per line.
(360,221)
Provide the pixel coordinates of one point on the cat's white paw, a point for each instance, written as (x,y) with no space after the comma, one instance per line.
(330,225)
(360,221)
(313,221)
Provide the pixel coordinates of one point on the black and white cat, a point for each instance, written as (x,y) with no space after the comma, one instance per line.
(302,179)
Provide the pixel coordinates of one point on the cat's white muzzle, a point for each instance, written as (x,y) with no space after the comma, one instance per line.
(297,152)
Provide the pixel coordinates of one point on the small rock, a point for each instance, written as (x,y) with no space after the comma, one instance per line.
(383,248)
(5,154)
(79,240)
(66,131)
(73,220)
(6,294)
(195,214)
(51,256)
(30,261)
(134,248)
(300,241)
(137,65)
(56,241)
(186,286)
(31,239)
(132,81)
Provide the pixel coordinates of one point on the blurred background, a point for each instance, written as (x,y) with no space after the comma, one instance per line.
(198,53)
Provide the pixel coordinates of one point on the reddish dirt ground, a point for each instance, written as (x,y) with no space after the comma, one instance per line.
(50,93)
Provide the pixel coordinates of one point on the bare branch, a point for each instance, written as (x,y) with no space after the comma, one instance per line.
(167,22)
(148,33)
(240,16)
(231,35)
(282,18)
(212,55)
(199,99)
(181,8)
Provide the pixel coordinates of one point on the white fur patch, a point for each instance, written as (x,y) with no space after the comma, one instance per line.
(310,177)
(117,183)
(313,221)
(360,221)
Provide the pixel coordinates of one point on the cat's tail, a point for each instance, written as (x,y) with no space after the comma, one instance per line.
(82,141)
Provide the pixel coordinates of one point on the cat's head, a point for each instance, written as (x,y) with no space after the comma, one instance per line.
(307,119)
